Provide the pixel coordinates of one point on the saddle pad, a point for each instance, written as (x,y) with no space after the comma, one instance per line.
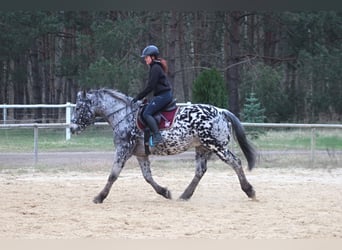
(166,121)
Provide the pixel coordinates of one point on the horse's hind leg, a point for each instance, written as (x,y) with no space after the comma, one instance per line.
(146,171)
(202,156)
(229,158)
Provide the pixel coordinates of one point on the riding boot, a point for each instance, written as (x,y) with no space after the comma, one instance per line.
(152,124)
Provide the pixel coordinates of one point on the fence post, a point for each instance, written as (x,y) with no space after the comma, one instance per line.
(313,144)
(4,114)
(67,120)
(35,143)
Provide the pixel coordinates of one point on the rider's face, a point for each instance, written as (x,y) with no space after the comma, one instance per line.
(148,60)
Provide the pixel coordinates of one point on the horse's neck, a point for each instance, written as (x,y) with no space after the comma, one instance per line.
(114,111)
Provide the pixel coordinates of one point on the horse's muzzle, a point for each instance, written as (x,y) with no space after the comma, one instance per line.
(74,128)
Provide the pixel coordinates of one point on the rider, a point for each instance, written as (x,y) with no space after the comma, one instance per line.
(159,85)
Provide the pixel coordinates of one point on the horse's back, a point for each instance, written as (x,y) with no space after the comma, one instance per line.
(197,115)
(197,124)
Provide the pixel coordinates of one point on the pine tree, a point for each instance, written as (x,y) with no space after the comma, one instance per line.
(209,88)
(254,113)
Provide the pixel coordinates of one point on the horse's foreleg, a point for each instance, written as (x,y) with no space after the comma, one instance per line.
(146,171)
(114,174)
(229,158)
(202,157)
(119,162)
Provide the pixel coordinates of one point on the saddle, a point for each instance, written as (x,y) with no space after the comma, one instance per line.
(165,119)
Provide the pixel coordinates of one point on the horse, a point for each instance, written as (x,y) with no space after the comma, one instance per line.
(204,127)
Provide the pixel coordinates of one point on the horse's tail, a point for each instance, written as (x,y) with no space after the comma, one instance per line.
(247,148)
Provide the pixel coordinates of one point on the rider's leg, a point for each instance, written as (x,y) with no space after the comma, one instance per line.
(152,124)
(156,104)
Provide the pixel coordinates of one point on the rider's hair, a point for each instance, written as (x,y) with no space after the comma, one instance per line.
(163,63)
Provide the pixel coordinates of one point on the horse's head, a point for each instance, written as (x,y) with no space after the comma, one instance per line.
(84,113)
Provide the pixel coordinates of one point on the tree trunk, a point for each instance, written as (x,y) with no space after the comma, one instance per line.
(232,52)
(36,81)
(19,74)
(270,42)
(172,47)
(197,44)
(251,34)
(182,56)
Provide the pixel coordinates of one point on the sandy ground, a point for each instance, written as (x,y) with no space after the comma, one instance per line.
(294,203)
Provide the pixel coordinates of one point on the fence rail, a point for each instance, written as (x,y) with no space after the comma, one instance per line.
(291,125)
(68,106)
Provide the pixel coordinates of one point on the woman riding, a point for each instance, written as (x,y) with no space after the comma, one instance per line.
(159,85)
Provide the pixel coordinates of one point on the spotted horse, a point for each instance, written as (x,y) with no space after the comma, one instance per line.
(203,127)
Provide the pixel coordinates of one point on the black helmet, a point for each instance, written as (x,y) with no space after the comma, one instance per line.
(150,50)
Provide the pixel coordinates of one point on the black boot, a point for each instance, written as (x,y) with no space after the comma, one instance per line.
(152,124)
(156,138)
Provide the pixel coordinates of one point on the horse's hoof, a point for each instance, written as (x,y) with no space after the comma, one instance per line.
(254,199)
(250,192)
(183,198)
(167,194)
(97,200)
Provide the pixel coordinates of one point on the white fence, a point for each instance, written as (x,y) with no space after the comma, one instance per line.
(68,111)
(68,107)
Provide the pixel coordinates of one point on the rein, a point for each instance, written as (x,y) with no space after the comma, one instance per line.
(115,112)
(125,117)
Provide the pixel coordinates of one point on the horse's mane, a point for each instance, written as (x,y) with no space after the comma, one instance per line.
(114,93)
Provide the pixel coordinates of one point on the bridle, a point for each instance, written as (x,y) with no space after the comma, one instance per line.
(126,105)
(125,116)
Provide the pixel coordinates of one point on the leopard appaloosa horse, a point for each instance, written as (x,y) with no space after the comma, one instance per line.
(203,127)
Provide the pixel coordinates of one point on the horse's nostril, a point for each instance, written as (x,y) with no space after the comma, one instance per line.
(74,128)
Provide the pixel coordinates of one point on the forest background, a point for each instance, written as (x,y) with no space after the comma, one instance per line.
(290,62)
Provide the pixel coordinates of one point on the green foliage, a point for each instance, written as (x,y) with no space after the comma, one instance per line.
(265,82)
(117,38)
(101,73)
(21,140)
(254,113)
(65,49)
(209,88)
(308,29)
(322,74)
(19,29)
(252,110)
(100,138)
(115,64)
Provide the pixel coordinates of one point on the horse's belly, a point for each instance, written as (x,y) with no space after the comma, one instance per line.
(172,147)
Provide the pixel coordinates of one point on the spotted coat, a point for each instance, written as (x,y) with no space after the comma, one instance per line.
(195,125)
(203,127)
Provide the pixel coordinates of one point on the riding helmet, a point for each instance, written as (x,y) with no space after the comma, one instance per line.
(150,50)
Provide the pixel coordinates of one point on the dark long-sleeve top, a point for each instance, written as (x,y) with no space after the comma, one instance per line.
(157,81)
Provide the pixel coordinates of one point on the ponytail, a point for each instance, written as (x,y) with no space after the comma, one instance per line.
(163,62)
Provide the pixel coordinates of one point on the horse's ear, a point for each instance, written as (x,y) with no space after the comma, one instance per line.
(81,95)
(88,96)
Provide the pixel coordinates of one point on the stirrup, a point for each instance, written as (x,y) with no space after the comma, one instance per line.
(152,143)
